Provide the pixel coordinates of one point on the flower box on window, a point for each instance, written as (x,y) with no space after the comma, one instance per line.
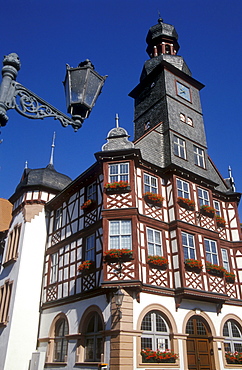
(214,269)
(86,266)
(117,187)
(88,205)
(220,221)
(229,277)
(158,356)
(233,357)
(158,262)
(193,265)
(153,198)
(186,203)
(118,255)
(207,211)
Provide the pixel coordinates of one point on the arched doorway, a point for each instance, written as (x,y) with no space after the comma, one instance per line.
(199,345)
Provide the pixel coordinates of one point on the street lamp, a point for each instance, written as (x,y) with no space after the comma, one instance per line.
(82,86)
(119,296)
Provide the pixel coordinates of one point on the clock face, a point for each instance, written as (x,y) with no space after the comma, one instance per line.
(183,91)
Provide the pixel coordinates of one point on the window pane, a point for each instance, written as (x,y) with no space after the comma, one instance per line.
(160,325)
(146,343)
(114,242)
(125,227)
(114,227)
(90,349)
(146,323)
(126,242)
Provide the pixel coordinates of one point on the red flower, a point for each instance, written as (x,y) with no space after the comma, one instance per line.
(116,185)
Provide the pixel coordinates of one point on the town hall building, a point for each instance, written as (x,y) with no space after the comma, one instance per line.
(137,263)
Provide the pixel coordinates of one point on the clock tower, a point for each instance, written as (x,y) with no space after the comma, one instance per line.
(168,111)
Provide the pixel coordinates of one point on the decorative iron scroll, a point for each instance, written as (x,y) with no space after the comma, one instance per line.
(32,106)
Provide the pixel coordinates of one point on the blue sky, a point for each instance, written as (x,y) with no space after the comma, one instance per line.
(48,34)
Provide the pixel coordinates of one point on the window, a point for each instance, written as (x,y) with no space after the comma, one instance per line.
(183,189)
(93,339)
(225,259)
(199,156)
(182,117)
(203,197)
(189,121)
(120,234)
(13,242)
(90,248)
(150,183)
(60,341)
(179,147)
(54,268)
(5,296)
(58,219)
(216,206)
(211,251)
(233,337)
(188,246)
(156,333)
(91,191)
(154,242)
(119,172)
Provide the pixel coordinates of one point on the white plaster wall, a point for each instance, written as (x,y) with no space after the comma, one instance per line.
(74,312)
(25,312)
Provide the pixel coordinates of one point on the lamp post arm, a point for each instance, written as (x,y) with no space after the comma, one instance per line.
(30,105)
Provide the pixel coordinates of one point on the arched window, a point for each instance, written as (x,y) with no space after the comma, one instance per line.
(93,338)
(233,337)
(60,341)
(156,333)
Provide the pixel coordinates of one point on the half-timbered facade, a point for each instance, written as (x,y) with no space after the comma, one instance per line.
(152,222)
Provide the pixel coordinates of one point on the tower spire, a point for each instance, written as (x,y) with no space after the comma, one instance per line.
(117,120)
(51,163)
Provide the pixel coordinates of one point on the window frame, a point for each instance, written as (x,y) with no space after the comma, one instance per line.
(216,206)
(199,156)
(13,244)
(90,248)
(214,255)
(119,176)
(230,339)
(148,186)
(54,268)
(5,299)
(120,235)
(155,245)
(189,237)
(179,147)
(58,219)
(181,192)
(91,191)
(154,335)
(201,199)
(225,261)
(95,335)
(61,339)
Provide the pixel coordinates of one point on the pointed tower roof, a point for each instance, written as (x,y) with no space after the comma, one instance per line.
(45,178)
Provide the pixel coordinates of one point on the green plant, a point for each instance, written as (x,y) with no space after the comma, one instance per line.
(158,356)
(85,265)
(117,254)
(186,202)
(212,268)
(158,261)
(153,197)
(116,185)
(88,203)
(233,357)
(194,264)
(208,210)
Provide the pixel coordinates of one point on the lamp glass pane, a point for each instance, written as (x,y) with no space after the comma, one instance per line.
(78,78)
(93,83)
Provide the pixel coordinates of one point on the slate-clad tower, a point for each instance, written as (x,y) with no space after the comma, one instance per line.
(168,97)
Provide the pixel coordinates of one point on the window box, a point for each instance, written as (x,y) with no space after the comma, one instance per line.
(207,211)
(153,198)
(158,262)
(193,265)
(233,357)
(220,221)
(86,266)
(157,356)
(186,203)
(88,205)
(229,277)
(215,270)
(118,255)
(117,187)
